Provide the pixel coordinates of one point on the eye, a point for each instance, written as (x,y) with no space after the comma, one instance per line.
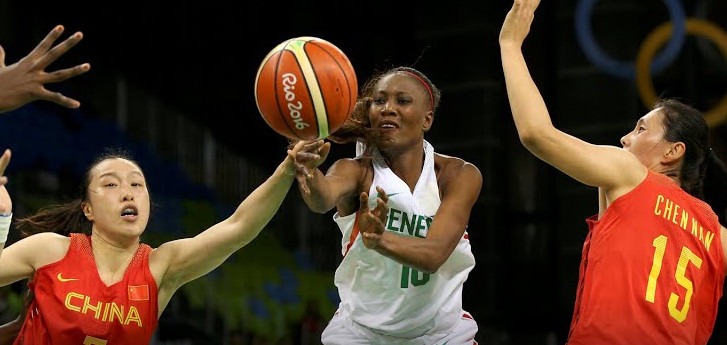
(641,129)
(403,100)
(137,184)
(379,100)
(110,184)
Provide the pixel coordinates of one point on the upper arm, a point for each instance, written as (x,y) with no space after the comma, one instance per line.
(21,259)
(603,166)
(460,191)
(342,180)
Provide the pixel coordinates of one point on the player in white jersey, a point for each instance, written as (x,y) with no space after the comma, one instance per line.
(406,250)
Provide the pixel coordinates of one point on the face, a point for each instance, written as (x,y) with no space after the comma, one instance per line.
(646,141)
(399,111)
(118,201)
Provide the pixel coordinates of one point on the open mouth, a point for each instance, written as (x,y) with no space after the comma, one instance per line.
(388,125)
(129,212)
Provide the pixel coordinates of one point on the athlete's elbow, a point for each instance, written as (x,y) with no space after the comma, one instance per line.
(433,264)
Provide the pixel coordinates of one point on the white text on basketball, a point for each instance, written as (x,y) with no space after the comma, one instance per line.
(289,81)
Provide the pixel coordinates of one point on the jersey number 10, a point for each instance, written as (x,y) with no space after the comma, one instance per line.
(685,258)
(410,274)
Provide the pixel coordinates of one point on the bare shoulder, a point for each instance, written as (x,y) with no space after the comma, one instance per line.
(450,169)
(46,247)
(346,167)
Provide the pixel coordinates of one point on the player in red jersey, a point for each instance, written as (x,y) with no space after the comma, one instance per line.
(653,263)
(101,285)
(24,82)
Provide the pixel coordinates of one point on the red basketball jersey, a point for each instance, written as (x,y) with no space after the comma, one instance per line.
(74,307)
(652,270)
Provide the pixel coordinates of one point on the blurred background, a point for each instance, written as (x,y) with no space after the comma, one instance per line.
(173,83)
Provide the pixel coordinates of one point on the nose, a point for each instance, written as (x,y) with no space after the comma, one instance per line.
(625,141)
(127,195)
(386,109)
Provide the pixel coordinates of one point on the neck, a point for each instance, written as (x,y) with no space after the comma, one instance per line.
(407,164)
(112,256)
(671,172)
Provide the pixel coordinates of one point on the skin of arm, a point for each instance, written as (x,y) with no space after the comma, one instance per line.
(323,192)
(178,262)
(615,170)
(460,190)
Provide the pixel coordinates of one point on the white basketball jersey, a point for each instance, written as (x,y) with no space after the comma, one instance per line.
(390,298)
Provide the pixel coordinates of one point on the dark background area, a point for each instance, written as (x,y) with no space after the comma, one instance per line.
(200,58)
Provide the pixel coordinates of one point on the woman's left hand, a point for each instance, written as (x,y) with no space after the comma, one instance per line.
(371,223)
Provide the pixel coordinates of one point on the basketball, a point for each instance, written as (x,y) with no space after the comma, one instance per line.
(305,88)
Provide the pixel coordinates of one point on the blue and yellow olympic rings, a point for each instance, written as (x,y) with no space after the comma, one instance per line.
(622,69)
(656,39)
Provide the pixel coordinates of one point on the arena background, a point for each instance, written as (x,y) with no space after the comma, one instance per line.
(174,83)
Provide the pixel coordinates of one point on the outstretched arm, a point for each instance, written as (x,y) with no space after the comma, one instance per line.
(602,166)
(460,193)
(187,259)
(24,81)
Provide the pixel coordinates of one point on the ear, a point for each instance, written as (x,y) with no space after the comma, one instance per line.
(675,153)
(428,120)
(87,211)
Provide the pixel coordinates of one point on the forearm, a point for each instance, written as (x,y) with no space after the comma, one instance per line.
(260,206)
(422,254)
(318,197)
(526,103)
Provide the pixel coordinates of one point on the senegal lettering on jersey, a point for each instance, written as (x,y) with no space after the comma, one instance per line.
(652,270)
(384,295)
(73,306)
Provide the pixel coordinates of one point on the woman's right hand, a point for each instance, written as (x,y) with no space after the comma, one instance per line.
(517,22)
(307,156)
(6,205)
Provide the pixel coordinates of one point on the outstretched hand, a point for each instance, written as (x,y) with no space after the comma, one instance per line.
(6,205)
(517,22)
(24,81)
(307,156)
(371,222)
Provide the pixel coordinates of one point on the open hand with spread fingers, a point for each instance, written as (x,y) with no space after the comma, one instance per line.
(24,81)
(371,222)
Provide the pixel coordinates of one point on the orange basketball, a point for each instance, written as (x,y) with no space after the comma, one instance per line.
(305,88)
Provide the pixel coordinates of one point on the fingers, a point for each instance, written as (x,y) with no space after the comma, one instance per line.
(2,57)
(363,202)
(382,194)
(324,149)
(59,50)
(61,75)
(58,98)
(381,211)
(4,161)
(302,183)
(313,146)
(47,42)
